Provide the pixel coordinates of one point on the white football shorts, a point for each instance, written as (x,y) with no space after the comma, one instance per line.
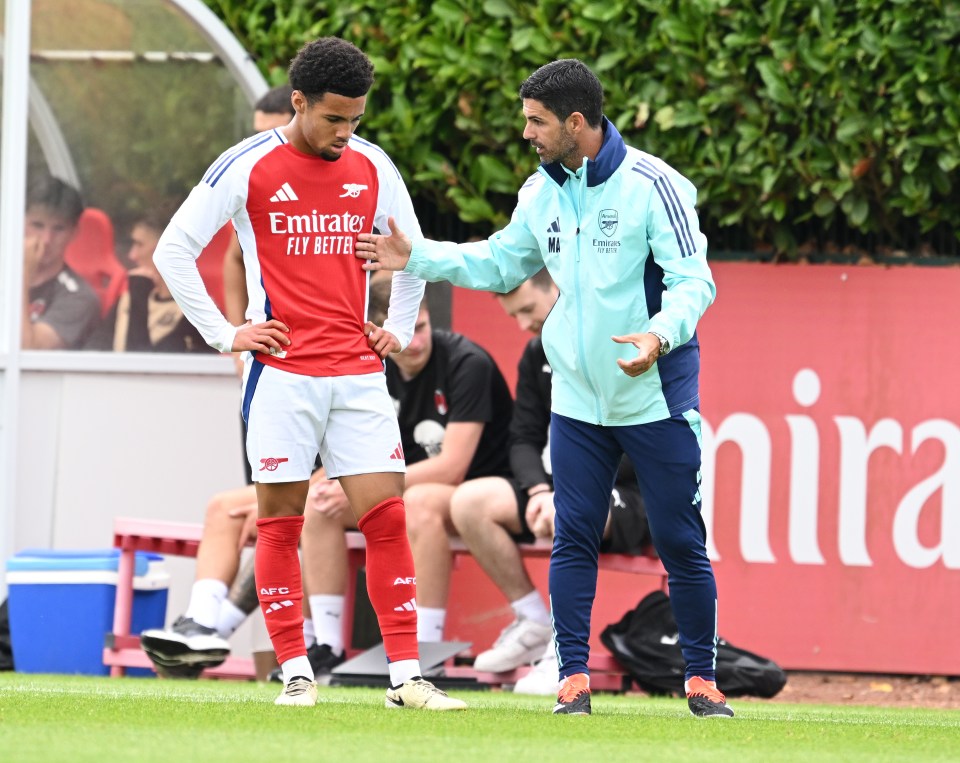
(349,420)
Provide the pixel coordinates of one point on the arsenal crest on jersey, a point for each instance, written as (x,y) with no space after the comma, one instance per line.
(607,220)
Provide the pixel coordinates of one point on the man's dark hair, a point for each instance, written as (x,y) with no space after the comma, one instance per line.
(276,101)
(380,300)
(541,279)
(566,86)
(59,197)
(156,217)
(331,65)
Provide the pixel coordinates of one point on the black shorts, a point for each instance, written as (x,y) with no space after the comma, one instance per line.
(526,534)
(629,532)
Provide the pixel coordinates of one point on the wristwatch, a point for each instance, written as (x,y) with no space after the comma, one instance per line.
(664,343)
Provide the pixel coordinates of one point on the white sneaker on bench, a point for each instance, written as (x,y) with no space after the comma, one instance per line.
(520,643)
(544,678)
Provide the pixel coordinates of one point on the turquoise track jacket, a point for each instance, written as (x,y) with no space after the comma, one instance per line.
(621,239)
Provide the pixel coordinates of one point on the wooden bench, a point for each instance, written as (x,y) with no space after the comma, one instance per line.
(121,650)
(183,539)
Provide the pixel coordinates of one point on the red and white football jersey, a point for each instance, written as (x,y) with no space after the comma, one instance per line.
(297,217)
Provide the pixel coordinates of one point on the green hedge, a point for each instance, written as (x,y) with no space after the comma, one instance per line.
(789,115)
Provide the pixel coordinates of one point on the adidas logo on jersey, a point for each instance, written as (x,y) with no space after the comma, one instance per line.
(285,193)
(553,242)
(397,453)
(352,190)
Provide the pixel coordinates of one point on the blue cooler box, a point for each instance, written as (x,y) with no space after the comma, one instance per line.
(61,607)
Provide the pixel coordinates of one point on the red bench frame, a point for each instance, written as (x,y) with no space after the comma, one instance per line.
(123,651)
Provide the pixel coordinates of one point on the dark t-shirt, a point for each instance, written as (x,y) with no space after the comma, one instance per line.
(68,305)
(460,382)
(529,429)
(143,322)
(531,417)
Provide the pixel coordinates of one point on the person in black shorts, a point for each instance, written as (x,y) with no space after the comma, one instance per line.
(454,409)
(493,514)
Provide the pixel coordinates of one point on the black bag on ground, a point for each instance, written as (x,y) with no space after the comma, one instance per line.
(646,643)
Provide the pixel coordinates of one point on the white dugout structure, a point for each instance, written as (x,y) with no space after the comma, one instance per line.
(87,436)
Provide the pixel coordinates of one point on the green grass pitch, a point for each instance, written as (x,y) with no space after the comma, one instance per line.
(78,719)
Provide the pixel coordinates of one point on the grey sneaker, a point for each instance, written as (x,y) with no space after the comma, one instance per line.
(520,643)
(418,693)
(299,692)
(186,643)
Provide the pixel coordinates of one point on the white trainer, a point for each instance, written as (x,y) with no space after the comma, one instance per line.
(520,643)
(544,678)
(418,693)
(301,692)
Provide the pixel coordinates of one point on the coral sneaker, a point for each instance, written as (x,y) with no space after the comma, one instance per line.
(705,700)
(574,696)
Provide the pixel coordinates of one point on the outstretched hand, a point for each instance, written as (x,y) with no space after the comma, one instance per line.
(648,347)
(270,337)
(384,252)
(381,341)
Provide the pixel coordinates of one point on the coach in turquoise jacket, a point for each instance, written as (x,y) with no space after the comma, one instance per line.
(618,232)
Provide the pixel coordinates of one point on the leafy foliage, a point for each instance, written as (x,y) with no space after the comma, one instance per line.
(790,116)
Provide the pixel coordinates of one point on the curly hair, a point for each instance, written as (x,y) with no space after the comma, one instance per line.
(331,65)
(565,86)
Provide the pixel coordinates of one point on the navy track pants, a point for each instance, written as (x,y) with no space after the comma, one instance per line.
(666,457)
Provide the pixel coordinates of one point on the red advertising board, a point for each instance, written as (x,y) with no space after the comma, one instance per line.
(831,462)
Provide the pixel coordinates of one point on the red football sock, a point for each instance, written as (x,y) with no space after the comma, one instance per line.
(391,584)
(279,587)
